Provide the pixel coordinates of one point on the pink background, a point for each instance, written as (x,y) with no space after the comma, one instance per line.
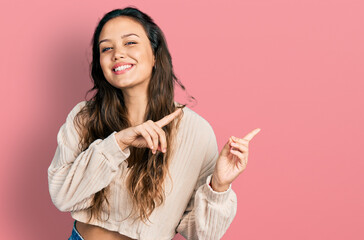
(292,68)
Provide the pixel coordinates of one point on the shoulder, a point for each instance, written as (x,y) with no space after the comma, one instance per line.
(197,133)
(68,133)
(70,119)
(76,108)
(194,122)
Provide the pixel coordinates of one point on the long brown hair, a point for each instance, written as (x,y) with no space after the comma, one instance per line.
(106,112)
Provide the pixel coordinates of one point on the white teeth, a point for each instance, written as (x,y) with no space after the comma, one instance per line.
(123,67)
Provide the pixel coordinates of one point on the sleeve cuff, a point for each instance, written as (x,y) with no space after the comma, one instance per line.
(213,196)
(112,151)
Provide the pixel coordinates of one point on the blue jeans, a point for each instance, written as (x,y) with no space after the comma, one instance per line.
(75,234)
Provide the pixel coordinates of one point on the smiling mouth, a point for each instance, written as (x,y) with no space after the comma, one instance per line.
(122,68)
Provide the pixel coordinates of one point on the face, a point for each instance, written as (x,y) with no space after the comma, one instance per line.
(126,56)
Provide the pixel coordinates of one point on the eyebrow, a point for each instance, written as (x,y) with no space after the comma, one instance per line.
(123,36)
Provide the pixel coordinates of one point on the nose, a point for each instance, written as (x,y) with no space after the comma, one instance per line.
(119,52)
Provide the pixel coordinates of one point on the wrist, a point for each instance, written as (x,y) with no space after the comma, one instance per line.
(217,187)
(118,138)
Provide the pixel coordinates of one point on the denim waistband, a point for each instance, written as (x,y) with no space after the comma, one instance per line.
(75,234)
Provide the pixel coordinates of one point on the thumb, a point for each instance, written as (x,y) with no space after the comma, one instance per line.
(226,149)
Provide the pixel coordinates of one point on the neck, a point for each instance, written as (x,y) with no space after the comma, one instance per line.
(136,103)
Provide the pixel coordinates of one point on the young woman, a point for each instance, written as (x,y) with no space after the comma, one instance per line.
(132,163)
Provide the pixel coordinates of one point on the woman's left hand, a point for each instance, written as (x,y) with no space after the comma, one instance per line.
(232,161)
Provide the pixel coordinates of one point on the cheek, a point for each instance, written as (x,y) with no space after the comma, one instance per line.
(144,56)
(103,63)
(136,54)
(148,59)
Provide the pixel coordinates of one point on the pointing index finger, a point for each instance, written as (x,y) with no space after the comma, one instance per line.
(250,135)
(169,118)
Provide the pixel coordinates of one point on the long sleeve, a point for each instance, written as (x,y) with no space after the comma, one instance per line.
(208,213)
(74,176)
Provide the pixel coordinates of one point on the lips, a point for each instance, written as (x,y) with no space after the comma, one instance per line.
(123,65)
(121,68)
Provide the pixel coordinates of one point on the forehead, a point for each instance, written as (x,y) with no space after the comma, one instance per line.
(119,26)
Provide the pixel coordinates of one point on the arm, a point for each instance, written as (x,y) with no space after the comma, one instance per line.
(209,213)
(74,176)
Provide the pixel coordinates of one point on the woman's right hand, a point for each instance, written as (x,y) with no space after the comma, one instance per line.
(148,134)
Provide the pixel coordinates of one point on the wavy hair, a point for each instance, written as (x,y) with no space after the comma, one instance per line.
(106,112)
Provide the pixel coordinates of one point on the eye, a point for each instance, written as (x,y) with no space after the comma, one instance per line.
(130,43)
(105,49)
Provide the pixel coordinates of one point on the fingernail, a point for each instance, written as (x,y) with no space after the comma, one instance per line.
(164,150)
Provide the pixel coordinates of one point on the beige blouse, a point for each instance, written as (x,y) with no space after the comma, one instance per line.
(191,208)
